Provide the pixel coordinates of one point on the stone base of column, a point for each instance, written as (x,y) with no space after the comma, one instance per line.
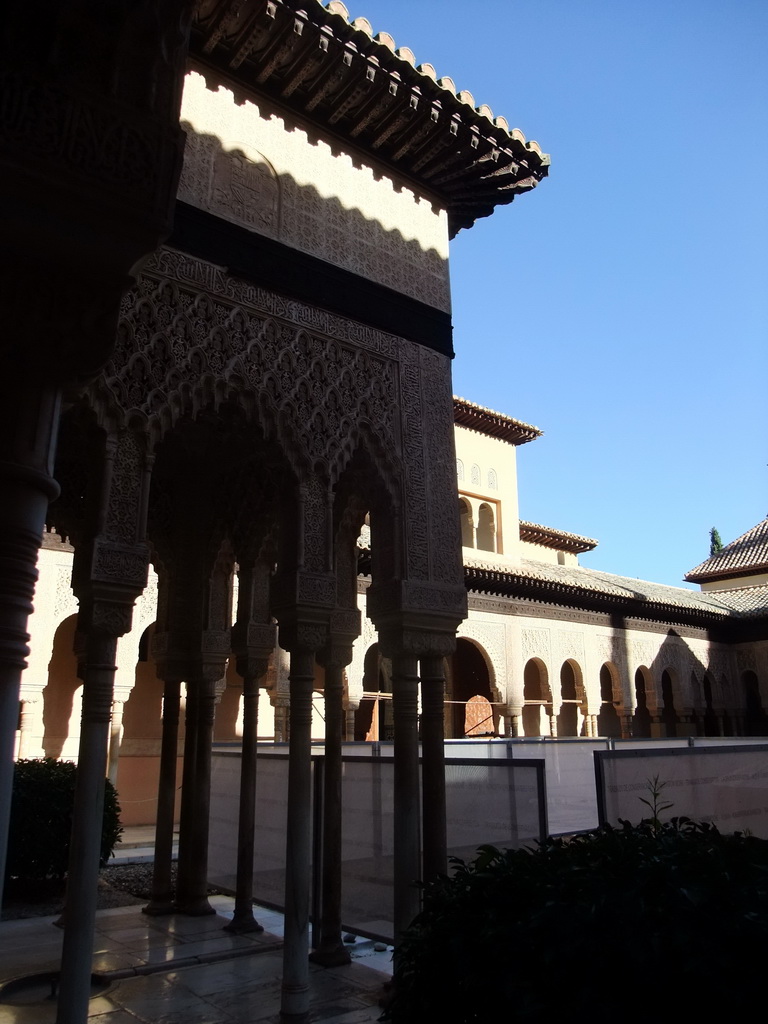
(160,908)
(331,955)
(243,923)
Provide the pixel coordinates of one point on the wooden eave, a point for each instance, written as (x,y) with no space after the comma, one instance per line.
(313,61)
(558,540)
(492,424)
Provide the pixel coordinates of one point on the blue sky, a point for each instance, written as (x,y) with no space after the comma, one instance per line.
(622,306)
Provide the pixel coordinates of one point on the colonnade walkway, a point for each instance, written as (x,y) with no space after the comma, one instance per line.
(181,970)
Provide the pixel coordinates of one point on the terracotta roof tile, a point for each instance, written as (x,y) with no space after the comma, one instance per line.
(579,582)
(745,556)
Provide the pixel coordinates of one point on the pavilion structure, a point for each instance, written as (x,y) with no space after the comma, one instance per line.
(239,398)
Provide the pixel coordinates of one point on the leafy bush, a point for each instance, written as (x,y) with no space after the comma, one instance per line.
(647,922)
(41,819)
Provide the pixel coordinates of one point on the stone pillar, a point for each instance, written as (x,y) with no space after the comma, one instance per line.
(626,718)
(433,767)
(281,706)
(304,641)
(162,900)
(344,630)
(514,715)
(109,572)
(192,883)
(407,846)
(115,739)
(26,718)
(243,919)
(331,951)
(105,622)
(253,642)
(350,710)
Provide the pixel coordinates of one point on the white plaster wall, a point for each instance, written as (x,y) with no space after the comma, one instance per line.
(539,553)
(250,163)
(489,453)
(744,581)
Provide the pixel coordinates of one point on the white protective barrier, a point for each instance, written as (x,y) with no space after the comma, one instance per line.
(719,782)
(501,802)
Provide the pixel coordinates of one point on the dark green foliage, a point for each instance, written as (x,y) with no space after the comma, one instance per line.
(41,820)
(647,922)
(715,544)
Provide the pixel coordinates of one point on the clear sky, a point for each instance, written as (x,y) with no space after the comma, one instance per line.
(622,306)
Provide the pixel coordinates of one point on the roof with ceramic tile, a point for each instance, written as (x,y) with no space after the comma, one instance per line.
(365,89)
(745,556)
(589,588)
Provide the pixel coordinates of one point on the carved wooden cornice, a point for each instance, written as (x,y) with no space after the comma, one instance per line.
(313,61)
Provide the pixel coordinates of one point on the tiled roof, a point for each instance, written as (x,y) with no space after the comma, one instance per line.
(546,536)
(745,556)
(494,424)
(315,61)
(577,586)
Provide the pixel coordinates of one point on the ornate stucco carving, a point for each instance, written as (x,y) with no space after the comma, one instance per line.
(536,644)
(247,163)
(190,335)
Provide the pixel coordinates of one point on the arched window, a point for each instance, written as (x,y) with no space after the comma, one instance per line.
(459,469)
(476,474)
(536,698)
(493,484)
(467,526)
(608,723)
(486,529)
(641,722)
(668,713)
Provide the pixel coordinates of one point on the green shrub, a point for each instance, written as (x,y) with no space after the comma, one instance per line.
(647,922)
(41,820)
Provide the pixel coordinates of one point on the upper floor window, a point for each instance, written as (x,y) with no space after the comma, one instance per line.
(493,483)
(476,474)
(459,469)
(467,526)
(486,528)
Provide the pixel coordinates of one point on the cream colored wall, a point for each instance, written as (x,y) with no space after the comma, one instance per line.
(249,163)
(488,453)
(739,582)
(539,553)
(510,641)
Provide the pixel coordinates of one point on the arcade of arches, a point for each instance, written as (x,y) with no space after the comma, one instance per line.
(224,347)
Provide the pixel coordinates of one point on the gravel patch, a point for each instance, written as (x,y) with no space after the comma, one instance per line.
(120,885)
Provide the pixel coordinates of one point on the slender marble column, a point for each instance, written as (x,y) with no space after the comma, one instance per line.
(192,888)
(162,901)
(243,919)
(295,988)
(433,768)
(26,716)
(188,774)
(407,854)
(83,874)
(332,952)
(115,739)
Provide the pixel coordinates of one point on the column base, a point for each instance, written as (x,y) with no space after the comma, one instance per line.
(160,908)
(195,908)
(332,954)
(243,924)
